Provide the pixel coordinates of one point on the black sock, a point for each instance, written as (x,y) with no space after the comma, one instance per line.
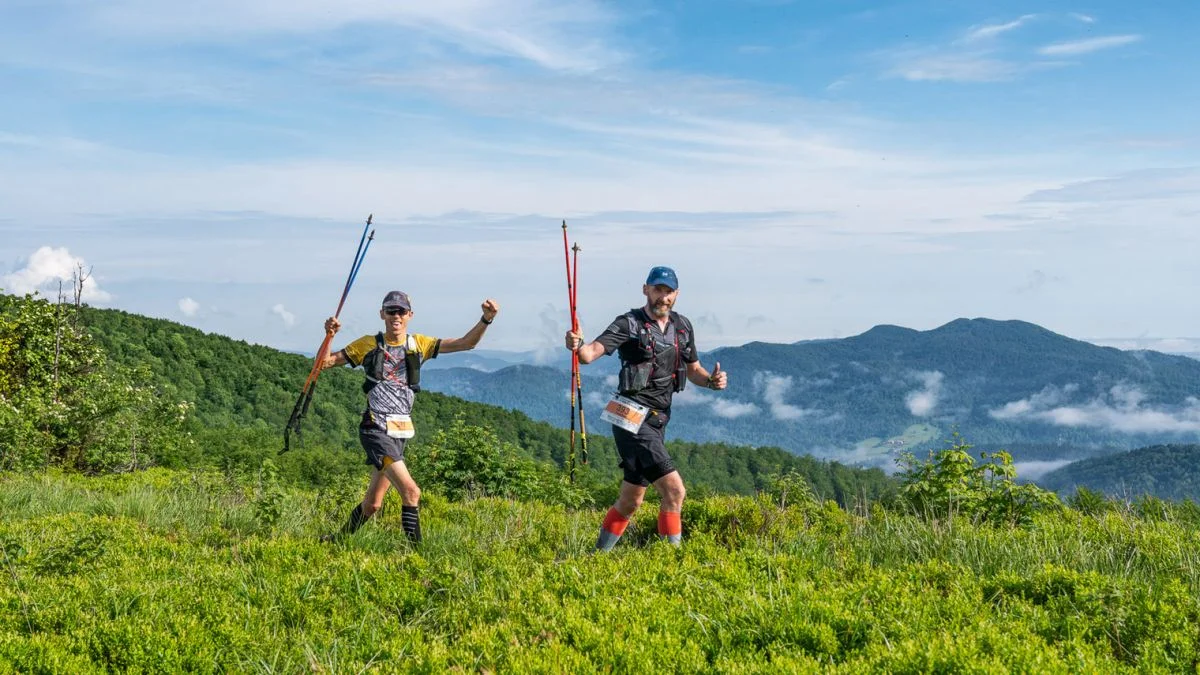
(356,520)
(411,523)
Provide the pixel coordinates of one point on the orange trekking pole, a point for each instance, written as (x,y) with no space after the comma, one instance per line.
(300,410)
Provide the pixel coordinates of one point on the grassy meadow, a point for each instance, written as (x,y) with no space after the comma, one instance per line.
(201,572)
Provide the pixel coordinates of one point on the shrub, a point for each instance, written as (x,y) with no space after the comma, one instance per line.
(950,483)
(466,461)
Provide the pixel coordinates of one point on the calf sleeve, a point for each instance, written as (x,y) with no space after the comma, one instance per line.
(356,520)
(670,527)
(611,529)
(411,522)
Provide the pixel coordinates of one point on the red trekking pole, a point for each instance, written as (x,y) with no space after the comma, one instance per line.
(574,355)
(575,361)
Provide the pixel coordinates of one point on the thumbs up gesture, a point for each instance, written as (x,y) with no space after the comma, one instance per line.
(718,379)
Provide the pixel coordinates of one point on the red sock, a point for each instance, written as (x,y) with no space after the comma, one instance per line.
(669,524)
(614,523)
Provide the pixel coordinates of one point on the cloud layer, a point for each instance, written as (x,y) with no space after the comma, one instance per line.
(1122,409)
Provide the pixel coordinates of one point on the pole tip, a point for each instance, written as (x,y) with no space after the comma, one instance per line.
(369,217)
(576,247)
(564,224)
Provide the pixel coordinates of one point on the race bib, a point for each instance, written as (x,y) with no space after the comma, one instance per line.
(400,426)
(624,413)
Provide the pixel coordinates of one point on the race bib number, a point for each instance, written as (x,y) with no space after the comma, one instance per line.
(624,413)
(400,426)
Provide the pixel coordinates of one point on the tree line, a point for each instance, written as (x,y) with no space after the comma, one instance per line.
(99,390)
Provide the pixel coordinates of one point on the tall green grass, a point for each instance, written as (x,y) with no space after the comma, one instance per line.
(165,571)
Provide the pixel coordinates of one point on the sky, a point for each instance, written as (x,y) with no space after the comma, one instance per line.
(810,169)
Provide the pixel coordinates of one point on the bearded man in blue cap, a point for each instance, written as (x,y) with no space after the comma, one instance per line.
(658,356)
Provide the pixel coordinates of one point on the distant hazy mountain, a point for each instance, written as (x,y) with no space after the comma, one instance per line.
(1167,471)
(866,397)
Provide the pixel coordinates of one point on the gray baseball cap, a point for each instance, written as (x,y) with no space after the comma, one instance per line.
(396,299)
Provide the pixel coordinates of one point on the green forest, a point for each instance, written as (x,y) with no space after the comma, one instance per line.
(176,397)
(150,524)
(1165,471)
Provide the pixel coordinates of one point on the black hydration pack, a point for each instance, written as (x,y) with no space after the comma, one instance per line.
(374,364)
(638,364)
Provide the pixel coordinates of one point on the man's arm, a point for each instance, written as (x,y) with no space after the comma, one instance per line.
(607,342)
(587,352)
(338,358)
(700,377)
(490,309)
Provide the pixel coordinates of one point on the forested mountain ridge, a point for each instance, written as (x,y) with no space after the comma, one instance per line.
(1164,471)
(243,394)
(862,397)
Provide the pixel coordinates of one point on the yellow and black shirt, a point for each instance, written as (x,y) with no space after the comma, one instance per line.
(390,393)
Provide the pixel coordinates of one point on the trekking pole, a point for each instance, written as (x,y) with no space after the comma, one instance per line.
(583,451)
(300,410)
(574,354)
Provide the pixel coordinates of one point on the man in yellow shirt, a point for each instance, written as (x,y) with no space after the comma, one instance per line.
(392,361)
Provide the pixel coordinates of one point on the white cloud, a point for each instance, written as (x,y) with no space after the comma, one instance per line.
(1048,397)
(1144,184)
(1121,410)
(939,67)
(1077,47)
(47,267)
(732,409)
(992,30)
(188,306)
(1035,469)
(922,402)
(774,390)
(558,34)
(289,319)
(1083,18)
(720,406)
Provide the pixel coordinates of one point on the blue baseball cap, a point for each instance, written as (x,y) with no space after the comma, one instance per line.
(664,276)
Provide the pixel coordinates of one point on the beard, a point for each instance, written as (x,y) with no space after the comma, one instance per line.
(660,311)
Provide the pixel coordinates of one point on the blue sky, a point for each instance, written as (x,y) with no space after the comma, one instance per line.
(811,169)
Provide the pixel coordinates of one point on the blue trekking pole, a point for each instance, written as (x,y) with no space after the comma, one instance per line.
(300,410)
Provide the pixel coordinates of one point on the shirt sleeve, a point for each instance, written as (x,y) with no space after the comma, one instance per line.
(356,351)
(615,335)
(428,346)
(689,354)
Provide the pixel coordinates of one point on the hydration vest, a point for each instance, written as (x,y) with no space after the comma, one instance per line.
(374,363)
(638,364)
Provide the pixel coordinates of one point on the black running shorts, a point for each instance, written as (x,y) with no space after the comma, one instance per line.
(379,446)
(644,457)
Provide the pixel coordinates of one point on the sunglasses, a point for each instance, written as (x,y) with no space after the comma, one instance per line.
(397,311)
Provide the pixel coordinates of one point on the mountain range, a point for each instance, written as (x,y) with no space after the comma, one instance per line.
(865,398)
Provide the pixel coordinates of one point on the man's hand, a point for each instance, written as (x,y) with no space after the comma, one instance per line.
(574,340)
(718,379)
(490,309)
(332,325)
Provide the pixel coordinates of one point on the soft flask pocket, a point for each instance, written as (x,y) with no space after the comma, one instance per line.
(634,377)
(412,370)
(680,378)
